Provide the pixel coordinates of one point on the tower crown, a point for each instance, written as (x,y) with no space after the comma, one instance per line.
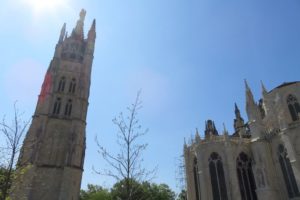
(75,47)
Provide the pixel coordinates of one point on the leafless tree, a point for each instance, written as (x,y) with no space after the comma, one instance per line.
(13,135)
(127,164)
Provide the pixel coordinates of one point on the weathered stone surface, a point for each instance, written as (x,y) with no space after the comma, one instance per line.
(271,124)
(51,161)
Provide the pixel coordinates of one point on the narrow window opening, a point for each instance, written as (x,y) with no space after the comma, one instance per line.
(245,177)
(217,177)
(294,107)
(68,108)
(61,85)
(56,107)
(288,173)
(72,86)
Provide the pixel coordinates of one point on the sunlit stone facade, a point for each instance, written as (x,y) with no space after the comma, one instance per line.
(51,161)
(260,160)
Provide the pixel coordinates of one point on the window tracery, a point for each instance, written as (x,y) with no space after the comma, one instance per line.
(217,177)
(72,86)
(246,178)
(294,107)
(68,108)
(56,108)
(288,173)
(61,85)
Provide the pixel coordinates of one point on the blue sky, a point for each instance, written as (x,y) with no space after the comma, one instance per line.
(190,59)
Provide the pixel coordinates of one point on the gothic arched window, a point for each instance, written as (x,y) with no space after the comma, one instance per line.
(61,84)
(217,177)
(246,178)
(287,172)
(68,108)
(72,86)
(196,178)
(56,107)
(294,107)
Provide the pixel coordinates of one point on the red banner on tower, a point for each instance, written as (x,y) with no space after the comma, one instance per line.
(46,87)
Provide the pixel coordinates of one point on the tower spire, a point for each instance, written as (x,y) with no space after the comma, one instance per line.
(225,131)
(62,33)
(210,128)
(237,111)
(238,122)
(197,136)
(263,88)
(78,30)
(249,95)
(251,106)
(92,31)
(91,38)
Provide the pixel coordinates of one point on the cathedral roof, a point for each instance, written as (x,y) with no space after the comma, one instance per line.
(285,84)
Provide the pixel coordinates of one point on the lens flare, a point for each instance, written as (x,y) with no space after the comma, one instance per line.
(42,6)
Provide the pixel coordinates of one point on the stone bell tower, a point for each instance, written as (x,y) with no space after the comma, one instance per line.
(51,161)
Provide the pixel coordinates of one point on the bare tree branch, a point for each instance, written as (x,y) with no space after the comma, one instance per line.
(126,165)
(13,135)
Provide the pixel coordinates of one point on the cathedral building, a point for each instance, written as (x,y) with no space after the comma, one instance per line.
(51,160)
(259,161)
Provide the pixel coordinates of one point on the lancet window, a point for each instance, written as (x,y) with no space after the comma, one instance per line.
(56,107)
(196,179)
(61,84)
(288,173)
(217,177)
(72,86)
(68,108)
(294,107)
(246,178)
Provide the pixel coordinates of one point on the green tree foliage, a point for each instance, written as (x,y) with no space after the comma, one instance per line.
(155,191)
(119,190)
(182,195)
(95,192)
(3,181)
(2,178)
(143,191)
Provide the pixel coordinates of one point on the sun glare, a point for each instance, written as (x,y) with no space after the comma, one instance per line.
(42,6)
